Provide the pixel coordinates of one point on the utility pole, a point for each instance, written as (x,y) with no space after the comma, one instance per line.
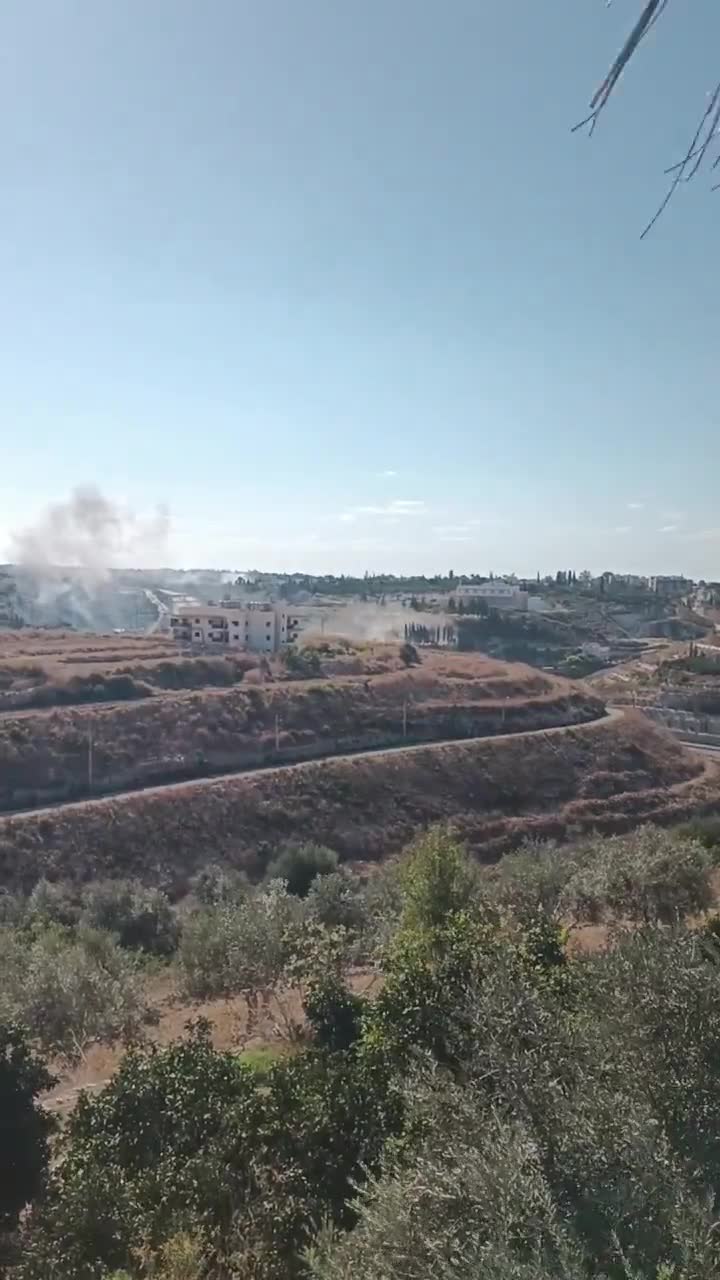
(90,758)
(404,722)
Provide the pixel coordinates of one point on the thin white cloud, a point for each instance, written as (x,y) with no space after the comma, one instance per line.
(636,506)
(668,528)
(622,528)
(398,508)
(703,535)
(387,475)
(447,532)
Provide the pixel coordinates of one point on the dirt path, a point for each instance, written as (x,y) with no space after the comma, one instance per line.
(217,780)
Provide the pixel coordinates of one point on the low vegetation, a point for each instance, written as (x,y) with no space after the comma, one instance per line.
(504,1104)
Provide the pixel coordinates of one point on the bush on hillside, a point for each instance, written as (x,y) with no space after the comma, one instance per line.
(238,946)
(336,899)
(437,880)
(97,687)
(649,875)
(194,673)
(215,884)
(533,878)
(299,864)
(69,989)
(409,655)
(303,664)
(53,902)
(140,918)
(705,829)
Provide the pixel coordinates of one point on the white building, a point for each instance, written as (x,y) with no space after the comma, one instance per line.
(670,585)
(497,595)
(259,627)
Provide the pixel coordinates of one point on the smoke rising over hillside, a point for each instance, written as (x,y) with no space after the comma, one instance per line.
(91,533)
(65,562)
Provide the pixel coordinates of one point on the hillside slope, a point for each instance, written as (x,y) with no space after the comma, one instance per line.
(54,755)
(610,774)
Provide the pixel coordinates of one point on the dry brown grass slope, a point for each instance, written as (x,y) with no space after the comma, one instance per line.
(610,775)
(45,755)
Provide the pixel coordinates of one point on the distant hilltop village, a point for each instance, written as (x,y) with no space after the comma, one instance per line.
(567,621)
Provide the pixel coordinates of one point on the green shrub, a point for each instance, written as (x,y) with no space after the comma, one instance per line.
(704,829)
(186,1135)
(302,663)
(409,655)
(334,1013)
(437,879)
(237,946)
(336,899)
(141,919)
(53,902)
(215,885)
(69,989)
(534,878)
(649,875)
(299,864)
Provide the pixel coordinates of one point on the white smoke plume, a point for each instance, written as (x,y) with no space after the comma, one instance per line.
(91,533)
(373,622)
(65,563)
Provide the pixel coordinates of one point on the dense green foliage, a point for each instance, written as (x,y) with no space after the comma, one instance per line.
(501,1106)
(24,1127)
(298,865)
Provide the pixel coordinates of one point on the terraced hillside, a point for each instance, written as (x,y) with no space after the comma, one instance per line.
(70,752)
(610,774)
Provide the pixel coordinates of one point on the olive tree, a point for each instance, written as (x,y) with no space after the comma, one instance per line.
(69,989)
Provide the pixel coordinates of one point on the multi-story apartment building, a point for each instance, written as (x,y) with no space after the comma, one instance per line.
(261,628)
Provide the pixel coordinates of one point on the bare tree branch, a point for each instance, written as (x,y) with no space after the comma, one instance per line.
(649,16)
(706,133)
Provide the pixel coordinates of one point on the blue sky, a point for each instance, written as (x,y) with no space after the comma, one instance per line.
(335,283)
